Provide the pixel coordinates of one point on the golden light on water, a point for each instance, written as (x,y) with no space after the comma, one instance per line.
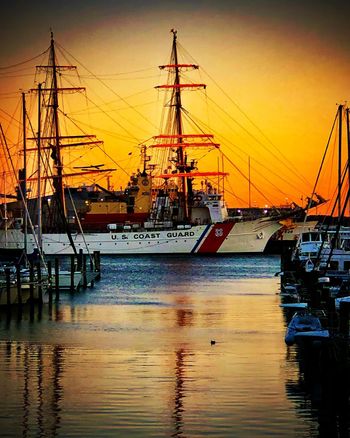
(134,356)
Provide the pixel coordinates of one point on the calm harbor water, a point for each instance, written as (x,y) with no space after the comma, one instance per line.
(133,357)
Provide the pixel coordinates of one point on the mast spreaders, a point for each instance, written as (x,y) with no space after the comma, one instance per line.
(176,138)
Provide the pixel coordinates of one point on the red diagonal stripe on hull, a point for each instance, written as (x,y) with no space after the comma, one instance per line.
(216,236)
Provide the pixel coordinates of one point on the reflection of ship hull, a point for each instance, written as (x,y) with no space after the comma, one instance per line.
(227,237)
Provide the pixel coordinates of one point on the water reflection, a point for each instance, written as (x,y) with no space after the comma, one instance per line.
(133,358)
(179,392)
(320,390)
(184,313)
(34,374)
(322,387)
(26,401)
(184,317)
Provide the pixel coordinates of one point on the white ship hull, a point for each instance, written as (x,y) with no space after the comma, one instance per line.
(224,238)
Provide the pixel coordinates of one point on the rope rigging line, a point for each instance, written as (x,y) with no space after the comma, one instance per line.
(16,76)
(118,79)
(24,62)
(279,176)
(250,121)
(119,74)
(11,117)
(231,192)
(79,224)
(109,116)
(4,141)
(240,149)
(82,111)
(99,147)
(247,179)
(292,170)
(254,138)
(186,113)
(114,101)
(322,163)
(29,68)
(105,131)
(108,87)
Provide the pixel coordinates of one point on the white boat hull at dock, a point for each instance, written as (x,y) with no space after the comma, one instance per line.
(65,280)
(223,238)
(25,293)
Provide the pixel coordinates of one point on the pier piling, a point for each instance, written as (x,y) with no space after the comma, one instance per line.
(31,289)
(80,260)
(72,271)
(39,285)
(8,288)
(19,284)
(49,279)
(344,313)
(97,263)
(83,272)
(92,270)
(57,279)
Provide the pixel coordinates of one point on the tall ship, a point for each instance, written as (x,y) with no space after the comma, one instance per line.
(169,206)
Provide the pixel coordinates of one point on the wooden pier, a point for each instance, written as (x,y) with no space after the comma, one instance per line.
(80,275)
(34,286)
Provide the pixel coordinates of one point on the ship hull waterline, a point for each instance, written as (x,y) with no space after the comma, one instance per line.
(224,238)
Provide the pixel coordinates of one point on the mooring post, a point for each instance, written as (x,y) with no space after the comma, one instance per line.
(57,279)
(344,312)
(19,291)
(80,260)
(19,285)
(84,272)
(40,290)
(330,309)
(31,289)
(8,288)
(92,270)
(97,262)
(72,271)
(315,298)
(49,280)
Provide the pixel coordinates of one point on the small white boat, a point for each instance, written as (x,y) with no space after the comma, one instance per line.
(290,290)
(341,300)
(294,305)
(25,293)
(302,322)
(65,279)
(313,335)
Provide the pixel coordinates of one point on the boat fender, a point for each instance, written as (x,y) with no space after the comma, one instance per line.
(309,266)
(197,198)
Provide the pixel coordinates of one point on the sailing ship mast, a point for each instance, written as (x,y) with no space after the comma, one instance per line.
(54,138)
(340,126)
(39,198)
(23,173)
(348,146)
(57,182)
(176,102)
(177,139)
(52,141)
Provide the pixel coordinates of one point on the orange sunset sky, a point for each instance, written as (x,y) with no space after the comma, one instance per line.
(275,72)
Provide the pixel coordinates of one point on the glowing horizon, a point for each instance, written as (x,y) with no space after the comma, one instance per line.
(286,76)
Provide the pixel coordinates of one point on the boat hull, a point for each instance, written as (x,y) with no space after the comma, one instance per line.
(225,238)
